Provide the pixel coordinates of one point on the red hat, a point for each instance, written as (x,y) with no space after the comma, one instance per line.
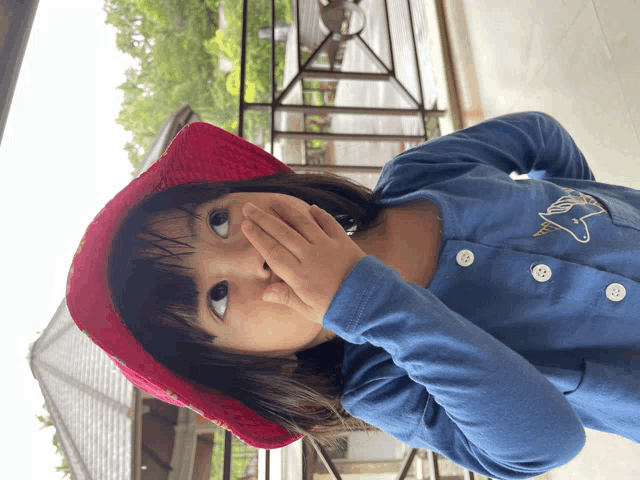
(199,153)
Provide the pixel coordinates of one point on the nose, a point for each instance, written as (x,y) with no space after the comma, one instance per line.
(243,261)
(253,264)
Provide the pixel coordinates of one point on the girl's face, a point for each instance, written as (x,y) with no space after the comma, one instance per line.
(231,277)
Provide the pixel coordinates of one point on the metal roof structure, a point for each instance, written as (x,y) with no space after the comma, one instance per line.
(88,398)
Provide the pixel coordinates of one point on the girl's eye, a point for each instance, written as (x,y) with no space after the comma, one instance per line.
(219,292)
(217,218)
(216,294)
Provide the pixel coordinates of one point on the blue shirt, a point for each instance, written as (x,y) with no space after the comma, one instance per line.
(530,328)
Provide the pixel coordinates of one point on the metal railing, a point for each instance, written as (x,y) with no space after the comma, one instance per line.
(417,108)
(306,72)
(407,461)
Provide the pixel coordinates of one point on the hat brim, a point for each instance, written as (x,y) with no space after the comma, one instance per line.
(199,153)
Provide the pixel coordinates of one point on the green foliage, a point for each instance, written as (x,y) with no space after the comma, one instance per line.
(46,422)
(177,44)
(315,143)
(240,457)
(154,9)
(229,43)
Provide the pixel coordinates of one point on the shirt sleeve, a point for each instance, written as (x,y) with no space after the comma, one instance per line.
(531,143)
(451,387)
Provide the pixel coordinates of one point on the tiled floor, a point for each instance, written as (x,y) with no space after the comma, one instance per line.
(576,60)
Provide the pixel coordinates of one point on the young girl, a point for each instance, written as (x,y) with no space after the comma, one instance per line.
(459,310)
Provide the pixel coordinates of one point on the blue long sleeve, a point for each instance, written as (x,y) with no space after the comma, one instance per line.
(528,331)
(530,142)
(447,386)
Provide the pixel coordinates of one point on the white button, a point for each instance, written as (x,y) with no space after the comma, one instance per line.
(464,258)
(541,272)
(616,292)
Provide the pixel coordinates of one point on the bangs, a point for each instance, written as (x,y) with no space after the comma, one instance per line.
(164,238)
(156,286)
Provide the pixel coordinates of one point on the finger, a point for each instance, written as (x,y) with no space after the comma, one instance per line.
(276,293)
(290,231)
(325,220)
(274,253)
(285,295)
(317,213)
(298,219)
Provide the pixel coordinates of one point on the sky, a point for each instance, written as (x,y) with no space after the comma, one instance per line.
(62,160)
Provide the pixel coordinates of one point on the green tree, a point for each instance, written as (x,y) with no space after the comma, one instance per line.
(227,43)
(177,44)
(240,458)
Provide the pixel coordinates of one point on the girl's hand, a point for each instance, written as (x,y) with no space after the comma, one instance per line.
(309,250)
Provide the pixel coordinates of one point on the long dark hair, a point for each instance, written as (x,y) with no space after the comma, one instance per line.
(157,299)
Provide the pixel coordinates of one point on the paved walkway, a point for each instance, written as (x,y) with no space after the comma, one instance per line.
(604,457)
